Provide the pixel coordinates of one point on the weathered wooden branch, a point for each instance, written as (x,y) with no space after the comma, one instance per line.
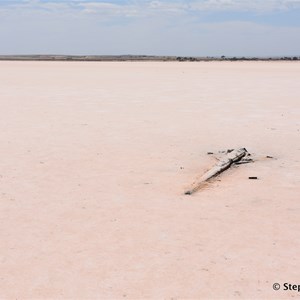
(225,163)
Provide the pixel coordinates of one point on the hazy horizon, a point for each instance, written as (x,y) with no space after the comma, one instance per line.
(162,28)
(146,55)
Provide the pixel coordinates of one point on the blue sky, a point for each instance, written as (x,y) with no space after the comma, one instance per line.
(154,27)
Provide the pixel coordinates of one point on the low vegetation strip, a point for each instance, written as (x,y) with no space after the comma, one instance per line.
(139,58)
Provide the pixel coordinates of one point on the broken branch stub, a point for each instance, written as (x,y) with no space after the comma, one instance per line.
(225,163)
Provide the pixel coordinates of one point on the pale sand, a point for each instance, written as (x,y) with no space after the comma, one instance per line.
(94,159)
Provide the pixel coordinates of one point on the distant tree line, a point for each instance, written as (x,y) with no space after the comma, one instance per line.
(141,58)
(234,58)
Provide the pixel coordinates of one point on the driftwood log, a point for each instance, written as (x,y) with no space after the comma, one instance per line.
(232,157)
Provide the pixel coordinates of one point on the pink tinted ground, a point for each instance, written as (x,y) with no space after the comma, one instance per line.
(94,159)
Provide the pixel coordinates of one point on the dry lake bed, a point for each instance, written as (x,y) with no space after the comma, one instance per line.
(94,161)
